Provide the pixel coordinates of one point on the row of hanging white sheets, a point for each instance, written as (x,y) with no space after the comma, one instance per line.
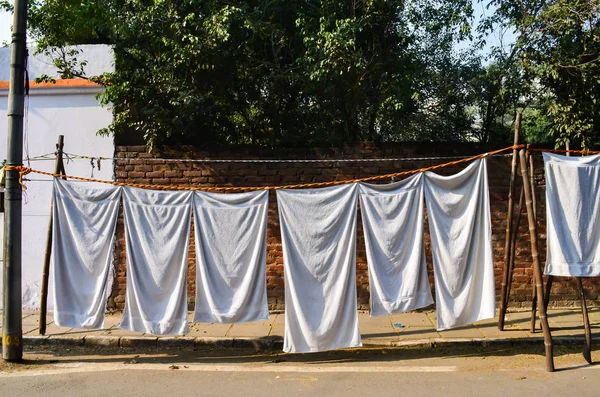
(318,229)
(572,215)
(230,239)
(318,232)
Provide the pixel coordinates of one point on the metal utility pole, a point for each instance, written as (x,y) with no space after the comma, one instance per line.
(12,327)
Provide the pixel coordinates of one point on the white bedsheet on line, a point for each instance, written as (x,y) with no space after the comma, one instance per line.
(231,255)
(157,231)
(572,215)
(318,235)
(461,241)
(393,224)
(83,235)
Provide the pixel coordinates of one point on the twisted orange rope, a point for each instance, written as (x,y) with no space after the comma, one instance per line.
(22,172)
(25,170)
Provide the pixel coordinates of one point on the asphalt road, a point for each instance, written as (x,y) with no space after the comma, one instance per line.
(439,372)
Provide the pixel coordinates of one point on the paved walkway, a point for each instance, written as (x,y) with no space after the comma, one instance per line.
(409,329)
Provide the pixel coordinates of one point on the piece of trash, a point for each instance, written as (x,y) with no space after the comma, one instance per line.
(186,366)
(398,325)
(278,377)
(173,366)
(383,352)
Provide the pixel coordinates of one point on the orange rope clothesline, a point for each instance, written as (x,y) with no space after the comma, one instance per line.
(26,170)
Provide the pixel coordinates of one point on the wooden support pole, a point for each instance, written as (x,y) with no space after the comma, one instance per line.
(549,282)
(587,349)
(535,217)
(509,221)
(532,183)
(58,169)
(513,245)
(537,270)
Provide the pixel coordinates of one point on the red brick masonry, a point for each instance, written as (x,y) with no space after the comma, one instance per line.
(132,166)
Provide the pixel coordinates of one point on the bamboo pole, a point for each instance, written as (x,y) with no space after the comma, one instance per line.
(587,349)
(548,287)
(513,244)
(537,270)
(509,221)
(58,169)
(532,182)
(535,217)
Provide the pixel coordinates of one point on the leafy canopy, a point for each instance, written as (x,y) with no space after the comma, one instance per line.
(271,72)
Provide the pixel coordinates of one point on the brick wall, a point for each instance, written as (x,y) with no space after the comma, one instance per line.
(133,166)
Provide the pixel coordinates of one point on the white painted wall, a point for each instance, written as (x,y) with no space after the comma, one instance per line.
(74,113)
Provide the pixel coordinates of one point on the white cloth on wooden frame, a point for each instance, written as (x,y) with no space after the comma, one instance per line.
(231,255)
(393,224)
(157,232)
(458,209)
(572,215)
(318,235)
(83,235)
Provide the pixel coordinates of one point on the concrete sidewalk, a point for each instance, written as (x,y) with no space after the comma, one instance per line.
(409,329)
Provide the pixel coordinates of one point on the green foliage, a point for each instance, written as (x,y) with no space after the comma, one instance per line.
(558,52)
(272,73)
(535,126)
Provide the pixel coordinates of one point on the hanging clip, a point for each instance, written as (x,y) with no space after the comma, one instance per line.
(93,166)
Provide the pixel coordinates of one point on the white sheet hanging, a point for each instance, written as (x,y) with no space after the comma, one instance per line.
(318,235)
(458,207)
(231,256)
(392,217)
(83,234)
(572,215)
(157,231)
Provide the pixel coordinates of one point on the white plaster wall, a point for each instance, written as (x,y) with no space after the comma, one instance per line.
(76,114)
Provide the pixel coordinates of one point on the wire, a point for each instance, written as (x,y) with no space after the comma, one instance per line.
(26,170)
(151,159)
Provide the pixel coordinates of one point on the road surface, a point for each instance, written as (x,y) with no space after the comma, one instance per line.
(468,371)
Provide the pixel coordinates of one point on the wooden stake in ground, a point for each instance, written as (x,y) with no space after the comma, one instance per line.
(535,217)
(586,323)
(58,169)
(509,221)
(513,245)
(537,270)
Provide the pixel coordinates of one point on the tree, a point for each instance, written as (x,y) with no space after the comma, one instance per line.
(272,73)
(557,50)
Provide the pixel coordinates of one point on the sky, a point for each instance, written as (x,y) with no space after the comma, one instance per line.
(5,24)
